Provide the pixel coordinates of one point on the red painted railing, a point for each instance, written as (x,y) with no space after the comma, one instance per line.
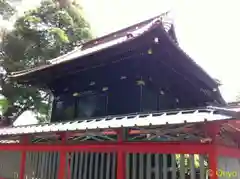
(65,153)
(121,149)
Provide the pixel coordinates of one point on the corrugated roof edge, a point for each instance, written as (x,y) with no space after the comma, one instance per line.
(209,114)
(91,44)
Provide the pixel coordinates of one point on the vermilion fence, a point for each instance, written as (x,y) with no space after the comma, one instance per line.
(122,160)
(60,156)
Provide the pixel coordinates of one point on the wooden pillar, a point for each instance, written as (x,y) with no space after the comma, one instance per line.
(23,141)
(121,156)
(213,163)
(213,129)
(63,158)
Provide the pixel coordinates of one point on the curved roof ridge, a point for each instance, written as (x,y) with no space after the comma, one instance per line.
(91,46)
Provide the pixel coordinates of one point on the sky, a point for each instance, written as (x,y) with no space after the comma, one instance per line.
(207,30)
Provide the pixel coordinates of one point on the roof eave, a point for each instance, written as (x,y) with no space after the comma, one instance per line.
(86,47)
(78,55)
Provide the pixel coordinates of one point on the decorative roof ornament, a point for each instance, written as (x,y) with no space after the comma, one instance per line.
(129,35)
(156,40)
(150,51)
(76,94)
(162,92)
(177,100)
(92,83)
(167,20)
(104,88)
(141,83)
(123,77)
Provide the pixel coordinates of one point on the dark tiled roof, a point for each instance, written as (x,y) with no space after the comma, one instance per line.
(117,43)
(101,43)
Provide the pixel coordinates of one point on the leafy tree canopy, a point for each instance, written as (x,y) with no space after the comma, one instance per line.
(48,31)
(6,10)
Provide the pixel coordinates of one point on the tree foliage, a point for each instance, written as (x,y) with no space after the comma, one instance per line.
(6,10)
(41,34)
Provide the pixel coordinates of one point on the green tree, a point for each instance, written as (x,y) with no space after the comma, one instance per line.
(6,10)
(41,34)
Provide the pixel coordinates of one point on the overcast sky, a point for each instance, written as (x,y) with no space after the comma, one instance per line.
(208,30)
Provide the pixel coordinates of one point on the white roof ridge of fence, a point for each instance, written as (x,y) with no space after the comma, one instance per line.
(138,120)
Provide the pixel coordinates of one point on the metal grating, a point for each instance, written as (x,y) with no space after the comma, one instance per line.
(91,165)
(42,165)
(139,120)
(166,166)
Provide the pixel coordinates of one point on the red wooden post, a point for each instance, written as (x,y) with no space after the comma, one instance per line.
(69,166)
(24,141)
(213,130)
(121,157)
(22,165)
(213,167)
(63,159)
